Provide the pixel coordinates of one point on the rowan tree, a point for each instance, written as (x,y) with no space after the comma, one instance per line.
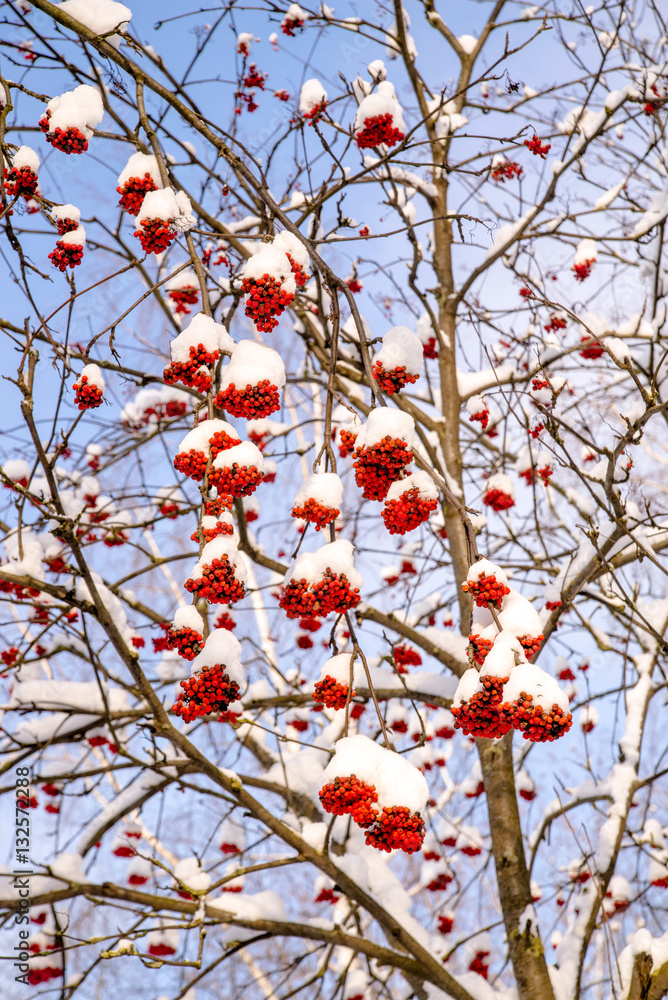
(333,595)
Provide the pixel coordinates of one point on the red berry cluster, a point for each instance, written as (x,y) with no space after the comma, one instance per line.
(155,235)
(377,467)
(593,351)
(505,171)
(266,301)
(160,950)
(236,480)
(482,416)
(479,647)
(20,181)
(220,528)
(534,723)
(87,397)
(486,590)
(316,513)
(331,693)
(210,690)
(332,593)
(326,896)
(38,976)
(479,964)
(187,641)
(134,191)
(346,442)
(531,644)
(378,130)
(582,271)
(214,508)
(441,882)
(445,924)
(396,828)
(498,500)
(537,147)
(66,226)
(393,380)
(254,77)
(407,512)
(9,656)
(68,140)
(226,621)
(218,583)
(430,349)
(405,656)
(252,401)
(66,255)
(482,715)
(191,463)
(315,114)
(192,372)
(301,277)
(289,24)
(350,796)
(184,297)
(556,323)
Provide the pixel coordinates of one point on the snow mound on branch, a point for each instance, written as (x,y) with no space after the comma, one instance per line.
(79,695)
(401,349)
(289,243)
(188,617)
(324,487)
(532,679)
(251,363)
(223,545)
(273,261)
(198,438)
(337,667)
(246,454)
(201,330)
(189,872)
(92,372)
(397,782)
(76,238)
(138,165)
(80,108)
(160,204)
(101,16)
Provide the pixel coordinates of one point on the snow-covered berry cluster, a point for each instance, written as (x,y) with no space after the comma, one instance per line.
(333,687)
(140,175)
(379,119)
(409,502)
(321,582)
(318,500)
(486,584)
(186,641)
(208,691)
(380,465)
(21,178)
(89,388)
(379,790)
(69,119)
(237,471)
(378,130)
(203,443)
(163,214)
(499,492)
(219,575)
(503,170)
(312,101)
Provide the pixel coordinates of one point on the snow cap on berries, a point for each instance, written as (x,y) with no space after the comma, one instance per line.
(382,102)
(419,480)
(75,238)
(483,567)
(137,166)
(312,95)
(585,252)
(273,261)
(223,545)
(251,363)
(222,648)
(188,617)
(65,212)
(80,108)
(533,680)
(201,330)
(337,667)
(324,487)
(401,349)
(161,204)
(336,556)
(386,422)
(198,439)
(92,372)
(25,156)
(289,243)
(244,454)
(502,657)
(396,781)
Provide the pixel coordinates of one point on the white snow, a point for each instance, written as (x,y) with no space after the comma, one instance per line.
(198,439)
(222,648)
(324,487)
(421,481)
(75,238)
(161,204)
(101,16)
(26,157)
(585,252)
(401,349)
(138,165)
(80,108)
(201,330)
(245,454)
(92,372)
(65,212)
(382,102)
(188,617)
(312,94)
(397,782)
(384,422)
(251,363)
